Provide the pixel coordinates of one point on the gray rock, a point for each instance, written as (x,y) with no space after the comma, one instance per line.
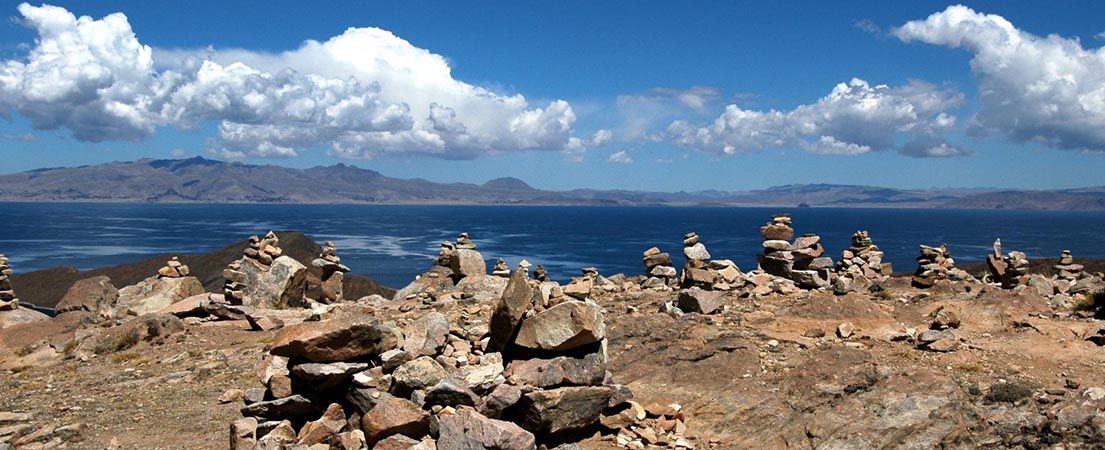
(451,391)
(154,294)
(420,373)
(563,327)
(293,408)
(280,285)
(470,430)
(426,335)
(516,299)
(562,409)
(500,399)
(700,301)
(326,375)
(696,252)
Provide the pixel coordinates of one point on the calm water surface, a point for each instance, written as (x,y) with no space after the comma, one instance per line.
(392,243)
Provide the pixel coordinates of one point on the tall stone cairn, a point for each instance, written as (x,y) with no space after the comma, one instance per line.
(1067,269)
(234,286)
(802,261)
(863,258)
(8,301)
(1010,270)
(173,269)
(935,264)
(659,269)
(332,273)
(696,271)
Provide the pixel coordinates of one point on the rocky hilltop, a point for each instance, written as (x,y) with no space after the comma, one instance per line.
(808,350)
(202,180)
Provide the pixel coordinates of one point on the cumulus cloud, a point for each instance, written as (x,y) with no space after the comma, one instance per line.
(855,118)
(1031,88)
(620,157)
(365,92)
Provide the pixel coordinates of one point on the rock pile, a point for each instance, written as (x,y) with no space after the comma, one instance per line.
(934,264)
(264,250)
(540,274)
(1011,270)
(696,271)
(234,286)
(501,269)
(1067,269)
(802,261)
(863,258)
(8,301)
(173,269)
(332,273)
(352,382)
(659,269)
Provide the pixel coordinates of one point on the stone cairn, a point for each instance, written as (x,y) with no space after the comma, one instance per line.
(934,264)
(1011,270)
(802,261)
(234,286)
(173,269)
(540,273)
(332,273)
(696,271)
(501,269)
(659,269)
(7,293)
(461,257)
(1067,269)
(526,379)
(264,250)
(863,258)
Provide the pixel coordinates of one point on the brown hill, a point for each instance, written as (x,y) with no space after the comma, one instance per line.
(46,287)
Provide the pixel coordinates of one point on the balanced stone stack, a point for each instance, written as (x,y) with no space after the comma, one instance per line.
(935,264)
(264,250)
(1067,269)
(8,301)
(540,273)
(353,382)
(802,261)
(696,271)
(659,269)
(501,269)
(1011,271)
(173,269)
(234,284)
(467,260)
(332,273)
(863,258)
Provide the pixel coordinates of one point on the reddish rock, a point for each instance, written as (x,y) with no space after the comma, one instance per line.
(516,299)
(318,431)
(393,415)
(335,339)
(469,430)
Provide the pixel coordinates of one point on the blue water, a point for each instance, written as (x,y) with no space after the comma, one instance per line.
(393,243)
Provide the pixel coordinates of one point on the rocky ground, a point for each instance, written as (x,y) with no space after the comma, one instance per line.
(805,370)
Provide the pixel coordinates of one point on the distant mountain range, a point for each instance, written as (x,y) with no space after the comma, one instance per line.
(200,180)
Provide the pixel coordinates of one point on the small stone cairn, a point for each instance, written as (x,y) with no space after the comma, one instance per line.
(863,258)
(659,269)
(540,274)
(696,271)
(8,301)
(173,269)
(234,286)
(802,261)
(1067,269)
(332,273)
(934,264)
(264,250)
(501,269)
(1011,270)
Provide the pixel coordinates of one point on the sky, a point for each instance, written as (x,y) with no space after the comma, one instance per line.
(572,94)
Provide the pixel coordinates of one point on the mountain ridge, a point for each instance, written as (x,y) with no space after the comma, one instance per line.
(201,180)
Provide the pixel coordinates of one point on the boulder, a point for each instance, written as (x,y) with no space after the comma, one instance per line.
(468,262)
(563,327)
(426,335)
(18,316)
(338,339)
(560,371)
(280,285)
(95,295)
(696,252)
(391,416)
(243,434)
(516,299)
(193,306)
(579,288)
(500,399)
(154,294)
(420,373)
(451,391)
(700,301)
(470,430)
(296,407)
(563,409)
(319,431)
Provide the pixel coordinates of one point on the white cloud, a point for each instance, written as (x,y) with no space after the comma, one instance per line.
(366,92)
(178,152)
(620,157)
(1031,88)
(866,25)
(854,118)
(25,137)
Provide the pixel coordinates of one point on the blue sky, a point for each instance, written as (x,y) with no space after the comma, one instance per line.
(570,94)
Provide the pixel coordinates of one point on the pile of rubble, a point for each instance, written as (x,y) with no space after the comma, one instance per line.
(532,376)
(935,264)
(173,269)
(659,270)
(864,259)
(332,270)
(802,261)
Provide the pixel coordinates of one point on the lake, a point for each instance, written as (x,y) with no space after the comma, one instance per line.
(393,243)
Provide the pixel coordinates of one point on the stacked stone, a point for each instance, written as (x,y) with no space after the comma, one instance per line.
(433,384)
(863,258)
(467,260)
(659,269)
(934,264)
(540,274)
(8,301)
(696,271)
(501,269)
(1067,269)
(332,273)
(234,286)
(1011,271)
(173,269)
(802,261)
(264,250)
